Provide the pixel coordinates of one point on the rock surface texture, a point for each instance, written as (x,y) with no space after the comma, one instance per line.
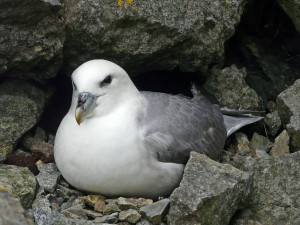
(209,193)
(142,35)
(31,38)
(289,110)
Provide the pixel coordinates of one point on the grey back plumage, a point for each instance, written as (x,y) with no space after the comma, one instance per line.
(174,125)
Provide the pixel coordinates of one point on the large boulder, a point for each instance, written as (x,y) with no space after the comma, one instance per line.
(11,211)
(22,104)
(18,181)
(289,110)
(150,35)
(275,195)
(31,38)
(209,193)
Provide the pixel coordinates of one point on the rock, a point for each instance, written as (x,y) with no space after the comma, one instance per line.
(133,203)
(274,198)
(130,215)
(48,177)
(241,144)
(151,34)
(273,122)
(230,89)
(289,110)
(156,212)
(260,142)
(209,193)
(292,9)
(111,208)
(112,218)
(73,200)
(20,182)
(91,200)
(11,211)
(281,144)
(261,154)
(40,134)
(143,222)
(32,36)
(22,104)
(75,212)
(37,145)
(100,206)
(92,213)
(66,192)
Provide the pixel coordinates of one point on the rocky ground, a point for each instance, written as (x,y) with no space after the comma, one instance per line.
(245,55)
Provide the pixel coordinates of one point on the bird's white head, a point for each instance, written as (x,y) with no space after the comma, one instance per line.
(98,87)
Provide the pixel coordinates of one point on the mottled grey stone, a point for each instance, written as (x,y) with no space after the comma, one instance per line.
(273,122)
(209,193)
(275,194)
(162,34)
(130,215)
(156,212)
(22,104)
(31,38)
(260,142)
(75,212)
(112,218)
(48,176)
(230,89)
(133,203)
(289,110)
(11,211)
(20,182)
(281,144)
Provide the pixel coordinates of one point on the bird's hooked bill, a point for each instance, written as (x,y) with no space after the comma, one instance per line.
(84,103)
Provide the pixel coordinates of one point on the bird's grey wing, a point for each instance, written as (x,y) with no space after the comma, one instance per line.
(175,125)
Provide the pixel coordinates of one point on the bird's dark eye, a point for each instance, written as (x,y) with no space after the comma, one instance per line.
(106,81)
(74,85)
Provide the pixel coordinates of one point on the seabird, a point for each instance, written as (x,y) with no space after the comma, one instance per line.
(118,141)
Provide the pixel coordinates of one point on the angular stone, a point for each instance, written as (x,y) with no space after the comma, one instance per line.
(230,89)
(111,208)
(261,154)
(260,142)
(154,31)
(133,203)
(100,205)
(143,222)
(22,104)
(75,212)
(130,215)
(274,198)
(91,200)
(37,145)
(66,192)
(241,145)
(92,213)
(156,212)
(32,36)
(48,177)
(273,122)
(289,110)
(20,181)
(11,211)
(209,193)
(281,144)
(112,218)
(292,9)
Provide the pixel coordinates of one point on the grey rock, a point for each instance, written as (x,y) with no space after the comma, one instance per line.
(261,154)
(240,145)
(74,200)
(292,9)
(41,210)
(111,208)
(32,36)
(281,144)
(20,182)
(143,222)
(133,203)
(22,104)
(75,212)
(92,213)
(48,177)
(66,192)
(273,122)
(209,193)
(150,34)
(274,198)
(230,89)
(112,218)
(156,212)
(289,110)
(130,215)
(11,211)
(260,142)
(40,134)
